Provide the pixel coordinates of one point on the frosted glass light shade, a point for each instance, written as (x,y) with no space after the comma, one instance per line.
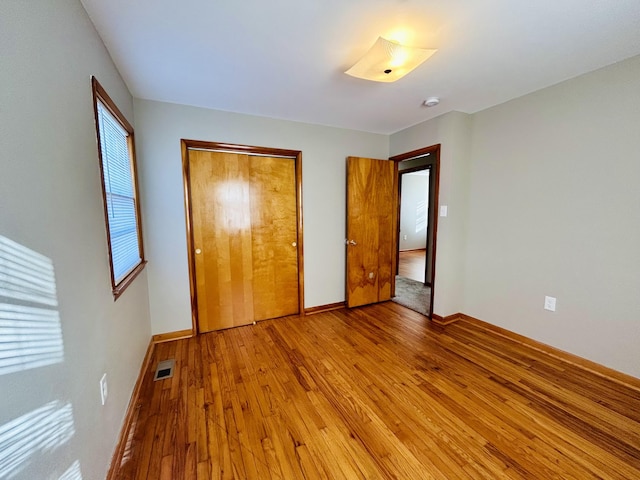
(388,61)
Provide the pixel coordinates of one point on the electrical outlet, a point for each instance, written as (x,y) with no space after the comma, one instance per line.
(103,389)
(550,303)
(404,237)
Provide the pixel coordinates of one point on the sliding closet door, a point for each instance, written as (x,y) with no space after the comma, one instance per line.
(274,238)
(221,215)
(244,218)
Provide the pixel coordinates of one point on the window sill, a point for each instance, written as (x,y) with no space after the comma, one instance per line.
(122,286)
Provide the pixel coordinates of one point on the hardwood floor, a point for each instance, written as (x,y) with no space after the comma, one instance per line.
(411,264)
(377,392)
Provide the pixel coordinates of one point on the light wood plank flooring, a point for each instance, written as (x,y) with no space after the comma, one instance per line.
(377,393)
(411,264)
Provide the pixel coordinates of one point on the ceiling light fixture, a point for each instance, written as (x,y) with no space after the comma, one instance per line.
(388,61)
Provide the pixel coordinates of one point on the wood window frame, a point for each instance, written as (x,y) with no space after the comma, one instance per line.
(100,95)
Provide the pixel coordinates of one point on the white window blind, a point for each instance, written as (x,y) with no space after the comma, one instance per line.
(119,195)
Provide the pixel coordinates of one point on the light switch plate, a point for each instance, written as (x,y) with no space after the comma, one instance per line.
(444,210)
(103,389)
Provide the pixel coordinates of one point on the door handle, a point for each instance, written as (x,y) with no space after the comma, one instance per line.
(294,244)
(352,242)
(198,251)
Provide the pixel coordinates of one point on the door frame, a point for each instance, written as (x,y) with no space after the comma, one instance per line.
(295,155)
(434,186)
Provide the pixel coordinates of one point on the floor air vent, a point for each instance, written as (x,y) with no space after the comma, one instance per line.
(164,369)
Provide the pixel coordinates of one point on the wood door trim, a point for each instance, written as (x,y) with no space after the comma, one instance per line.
(298,167)
(433,150)
(419,168)
(245,149)
(296,155)
(186,180)
(395,238)
(421,152)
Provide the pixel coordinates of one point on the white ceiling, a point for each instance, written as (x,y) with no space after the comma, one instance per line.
(286,58)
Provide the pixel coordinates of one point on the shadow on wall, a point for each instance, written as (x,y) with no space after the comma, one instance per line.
(31,339)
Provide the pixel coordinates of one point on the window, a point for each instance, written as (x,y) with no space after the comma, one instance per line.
(120,191)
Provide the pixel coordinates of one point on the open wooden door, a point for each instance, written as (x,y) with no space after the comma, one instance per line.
(371,220)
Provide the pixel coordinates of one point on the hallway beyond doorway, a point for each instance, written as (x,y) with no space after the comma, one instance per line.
(411,290)
(411,264)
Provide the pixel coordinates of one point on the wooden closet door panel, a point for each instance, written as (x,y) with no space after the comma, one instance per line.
(220,203)
(274,237)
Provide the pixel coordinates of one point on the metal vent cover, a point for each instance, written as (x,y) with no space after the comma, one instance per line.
(164,369)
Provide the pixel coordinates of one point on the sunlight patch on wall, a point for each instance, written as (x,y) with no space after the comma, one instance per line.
(73,473)
(421,216)
(38,432)
(30,330)
(25,274)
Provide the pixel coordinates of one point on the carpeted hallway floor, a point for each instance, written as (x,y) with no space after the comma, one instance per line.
(412,294)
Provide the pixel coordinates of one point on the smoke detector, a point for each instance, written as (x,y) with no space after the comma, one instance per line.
(431,102)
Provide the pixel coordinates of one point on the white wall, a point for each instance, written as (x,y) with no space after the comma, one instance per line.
(555,210)
(543,199)
(414,210)
(159,128)
(452,131)
(51,204)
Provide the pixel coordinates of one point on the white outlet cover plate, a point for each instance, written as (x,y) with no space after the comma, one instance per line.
(550,303)
(444,210)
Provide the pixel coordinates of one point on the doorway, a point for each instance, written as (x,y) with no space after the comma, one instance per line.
(418,181)
(244,233)
(413,187)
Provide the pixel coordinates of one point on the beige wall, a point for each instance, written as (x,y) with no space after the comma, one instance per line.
(543,199)
(160,126)
(555,210)
(51,204)
(452,131)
